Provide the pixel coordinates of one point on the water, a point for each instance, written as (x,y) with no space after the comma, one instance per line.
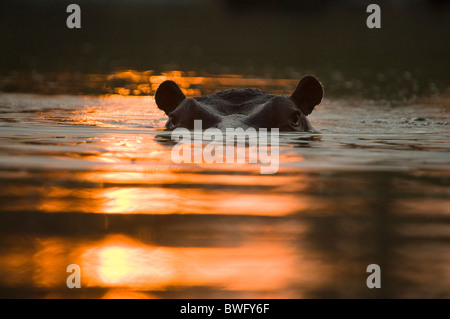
(89,180)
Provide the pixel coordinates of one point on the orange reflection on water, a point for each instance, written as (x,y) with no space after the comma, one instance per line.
(120,261)
(133,82)
(126,294)
(124,263)
(209,83)
(49,261)
(136,177)
(127,268)
(172,178)
(159,200)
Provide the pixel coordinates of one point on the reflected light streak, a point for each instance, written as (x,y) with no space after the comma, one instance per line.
(129,188)
(121,262)
(131,269)
(156,200)
(126,263)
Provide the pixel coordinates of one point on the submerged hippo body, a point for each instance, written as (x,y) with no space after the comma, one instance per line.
(241,107)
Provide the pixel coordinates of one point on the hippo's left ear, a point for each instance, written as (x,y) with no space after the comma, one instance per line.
(308,94)
(168,96)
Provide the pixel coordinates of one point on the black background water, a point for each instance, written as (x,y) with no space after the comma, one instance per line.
(406,58)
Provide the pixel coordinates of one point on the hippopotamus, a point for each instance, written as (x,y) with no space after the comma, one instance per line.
(242,108)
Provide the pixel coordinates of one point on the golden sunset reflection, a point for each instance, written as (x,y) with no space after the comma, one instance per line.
(121,262)
(154,200)
(129,83)
(147,82)
(128,268)
(133,173)
(121,293)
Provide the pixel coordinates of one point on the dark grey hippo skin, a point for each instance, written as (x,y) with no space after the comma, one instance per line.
(241,107)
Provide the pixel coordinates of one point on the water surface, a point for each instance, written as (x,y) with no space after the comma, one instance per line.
(89,180)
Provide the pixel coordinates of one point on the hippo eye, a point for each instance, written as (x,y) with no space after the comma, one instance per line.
(174,121)
(296,119)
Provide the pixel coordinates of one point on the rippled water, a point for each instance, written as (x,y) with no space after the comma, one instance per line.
(89,180)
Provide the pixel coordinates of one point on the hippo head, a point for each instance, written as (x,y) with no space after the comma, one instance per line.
(241,107)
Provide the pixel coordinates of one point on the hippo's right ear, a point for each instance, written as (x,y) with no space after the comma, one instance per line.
(168,96)
(308,94)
